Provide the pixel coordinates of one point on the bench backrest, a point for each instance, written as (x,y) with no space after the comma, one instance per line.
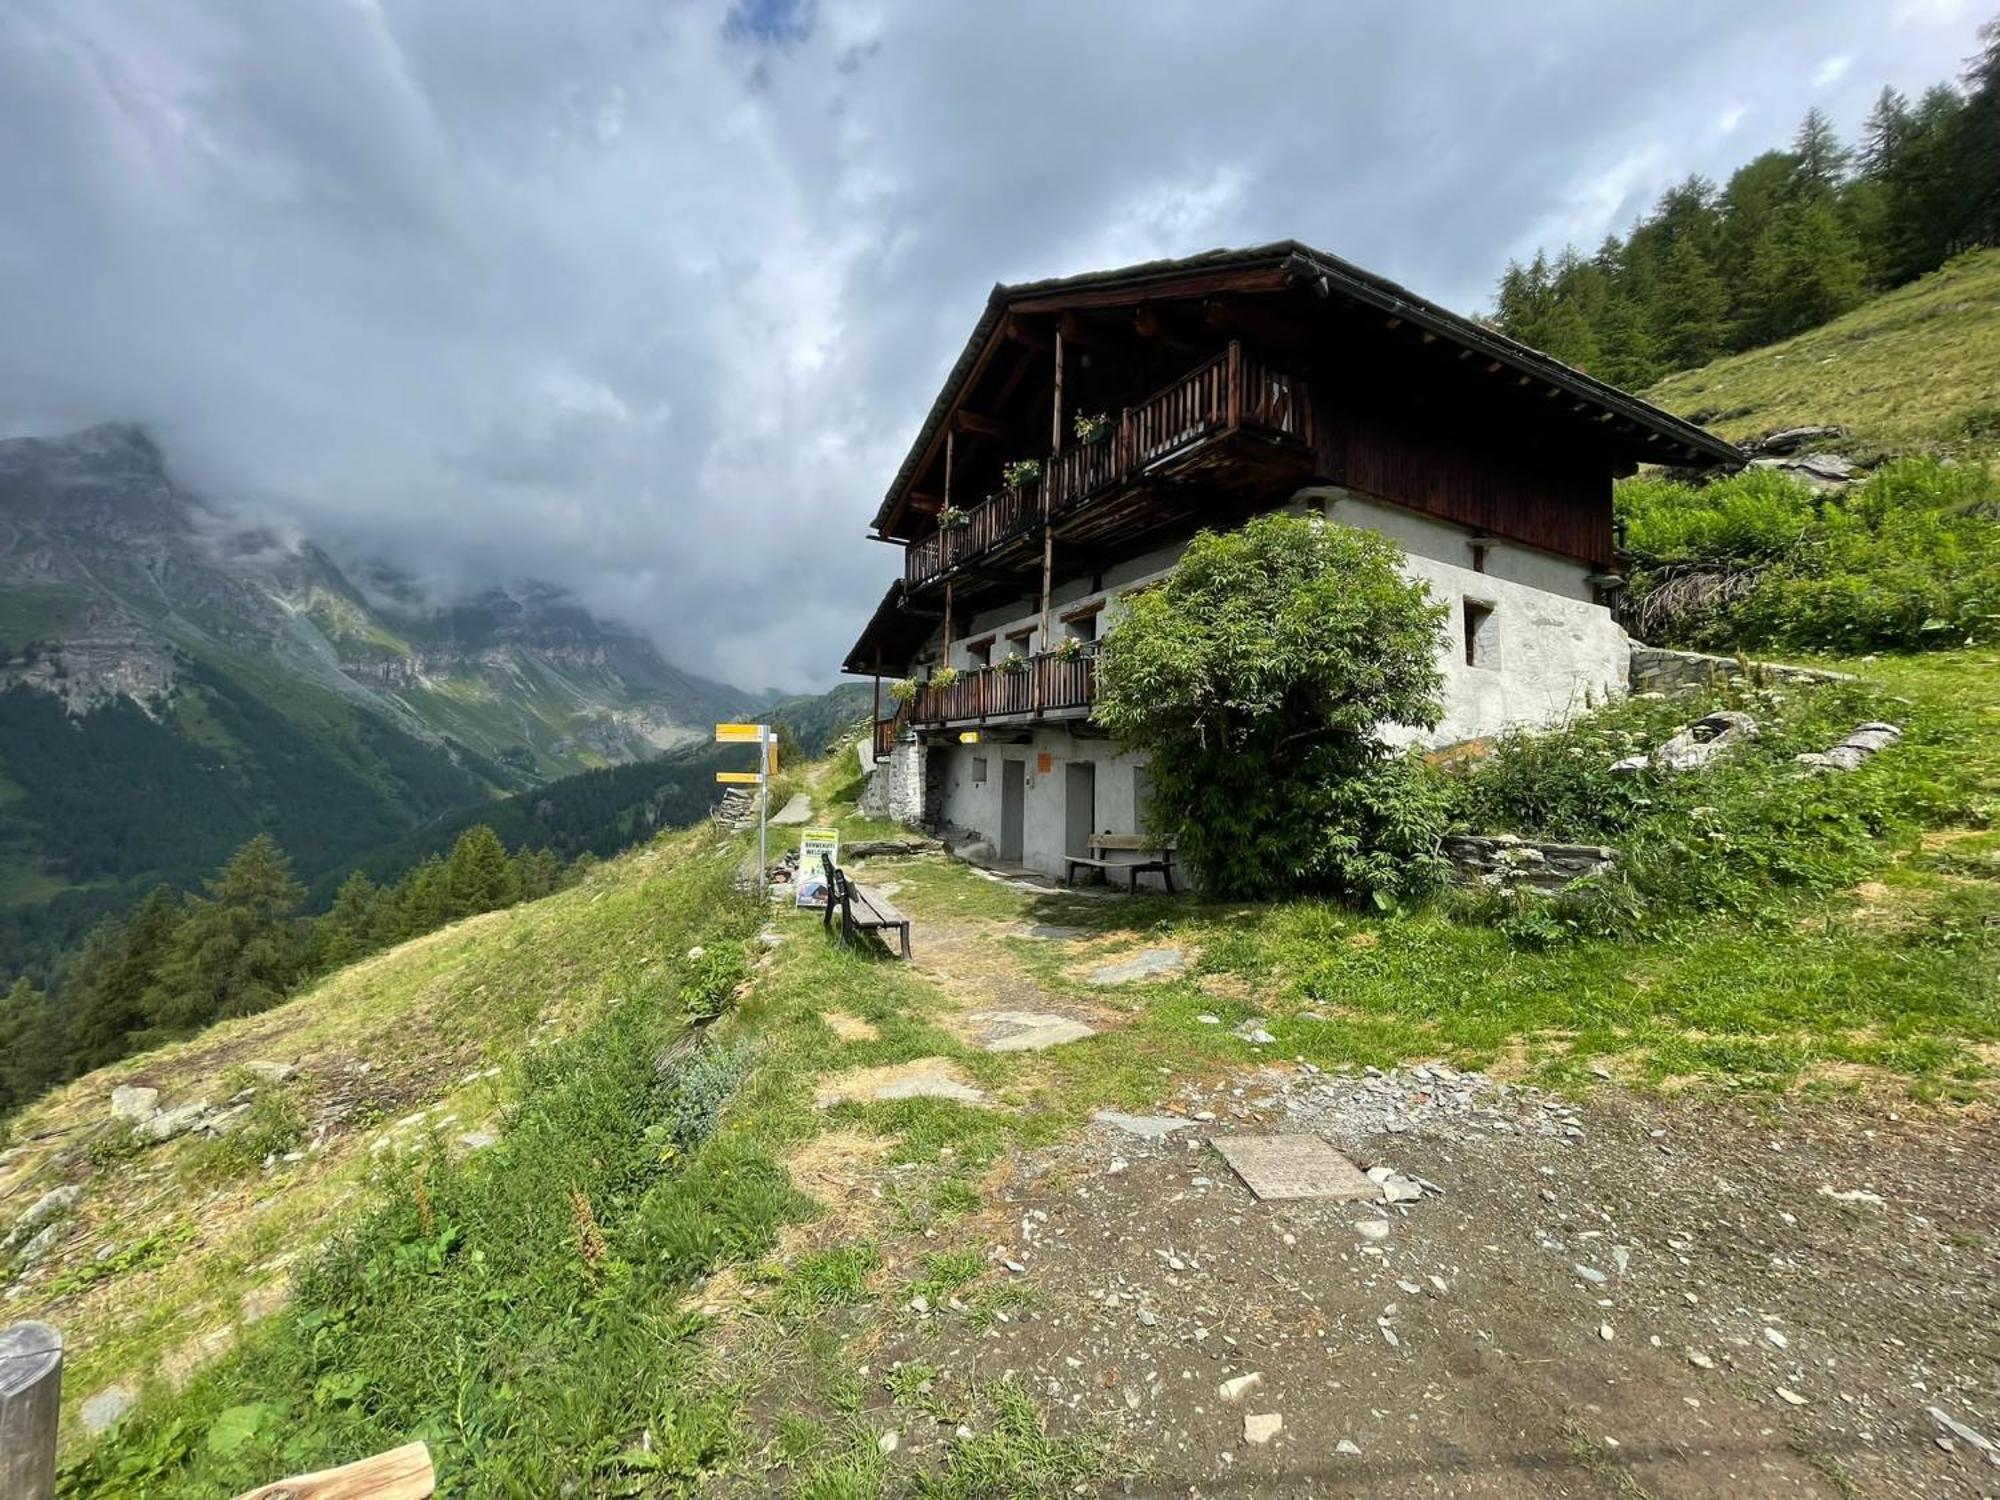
(1128,842)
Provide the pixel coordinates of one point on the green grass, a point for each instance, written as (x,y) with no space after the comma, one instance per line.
(34,613)
(1917,370)
(528,1310)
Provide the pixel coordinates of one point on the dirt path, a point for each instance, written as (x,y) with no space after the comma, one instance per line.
(1615,1312)
(1626,1295)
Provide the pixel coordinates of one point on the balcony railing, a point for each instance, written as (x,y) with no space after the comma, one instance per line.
(1052,681)
(1233,392)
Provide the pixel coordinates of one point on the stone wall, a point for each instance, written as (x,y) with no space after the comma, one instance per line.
(896,789)
(1656,669)
(1507,862)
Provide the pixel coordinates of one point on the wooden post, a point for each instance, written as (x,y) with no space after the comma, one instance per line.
(1055,421)
(400,1474)
(1234,397)
(1048,572)
(875,721)
(944,657)
(31,1356)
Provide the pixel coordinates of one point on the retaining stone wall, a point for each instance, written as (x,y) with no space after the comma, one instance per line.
(1503,860)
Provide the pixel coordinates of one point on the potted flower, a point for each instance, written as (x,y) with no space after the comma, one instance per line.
(944,677)
(903,689)
(1069,646)
(1092,427)
(953,518)
(1022,472)
(1014,664)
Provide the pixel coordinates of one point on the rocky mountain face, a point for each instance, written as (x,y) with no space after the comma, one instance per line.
(172,683)
(112,579)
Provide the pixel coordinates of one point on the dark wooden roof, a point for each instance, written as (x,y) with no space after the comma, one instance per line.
(896,629)
(1287,264)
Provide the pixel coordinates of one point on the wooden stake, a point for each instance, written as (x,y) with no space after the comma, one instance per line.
(31,1356)
(400,1474)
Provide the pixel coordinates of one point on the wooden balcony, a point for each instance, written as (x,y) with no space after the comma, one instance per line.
(1055,682)
(1174,431)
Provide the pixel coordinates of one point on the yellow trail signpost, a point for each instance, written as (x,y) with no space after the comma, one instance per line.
(767,766)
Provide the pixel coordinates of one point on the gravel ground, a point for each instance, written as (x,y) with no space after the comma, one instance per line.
(1620,1296)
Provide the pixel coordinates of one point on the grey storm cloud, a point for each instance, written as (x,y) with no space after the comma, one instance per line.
(648,299)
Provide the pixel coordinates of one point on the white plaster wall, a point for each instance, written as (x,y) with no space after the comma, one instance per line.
(1556,652)
(976,805)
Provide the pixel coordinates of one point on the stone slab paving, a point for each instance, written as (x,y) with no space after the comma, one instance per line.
(1026,1030)
(1290,1167)
(796,812)
(926,1078)
(1147,963)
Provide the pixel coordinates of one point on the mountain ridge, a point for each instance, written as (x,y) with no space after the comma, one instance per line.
(173,682)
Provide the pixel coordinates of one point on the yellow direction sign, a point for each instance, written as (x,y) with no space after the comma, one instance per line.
(750,778)
(740,734)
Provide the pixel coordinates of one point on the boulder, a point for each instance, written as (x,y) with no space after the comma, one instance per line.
(102,1412)
(133,1102)
(169,1123)
(1696,745)
(1866,741)
(272,1072)
(51,1205)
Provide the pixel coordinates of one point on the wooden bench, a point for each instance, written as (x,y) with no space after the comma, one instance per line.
(861,909)
(1156,858)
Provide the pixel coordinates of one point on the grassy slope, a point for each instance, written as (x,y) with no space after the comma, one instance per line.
(1917,370)
(468,1342)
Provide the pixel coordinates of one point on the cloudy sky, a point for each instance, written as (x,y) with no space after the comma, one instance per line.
(647,298)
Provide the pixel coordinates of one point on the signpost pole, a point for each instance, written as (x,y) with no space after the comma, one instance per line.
(763,815)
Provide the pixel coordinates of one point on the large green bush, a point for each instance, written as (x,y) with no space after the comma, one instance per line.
(1258,679)
(1910,560)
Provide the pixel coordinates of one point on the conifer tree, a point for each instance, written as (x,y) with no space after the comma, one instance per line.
(350,928)
(105,994)
(1820,157)
(1692,318)
(423,899)
(31,1045)
(1975,144)
(238,949)
(477,872)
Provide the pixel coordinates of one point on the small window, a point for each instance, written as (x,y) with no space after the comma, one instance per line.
(980,653)
(1021,643)
(1482,639)
(1478,557)
(978,770)
(1316,506)
(1082,628)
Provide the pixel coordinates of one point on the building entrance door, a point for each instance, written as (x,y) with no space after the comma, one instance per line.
(1013,809)
(1079,807)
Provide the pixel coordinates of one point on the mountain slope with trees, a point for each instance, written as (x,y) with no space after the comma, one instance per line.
(1794,238)
(171,686)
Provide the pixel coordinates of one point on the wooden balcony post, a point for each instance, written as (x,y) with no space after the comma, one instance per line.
(945,658)
(1234,419)
(1055,420)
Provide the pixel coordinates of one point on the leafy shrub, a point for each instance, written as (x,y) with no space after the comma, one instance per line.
(1740,835)
(708,982)
(1257,678)
(1909,560)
